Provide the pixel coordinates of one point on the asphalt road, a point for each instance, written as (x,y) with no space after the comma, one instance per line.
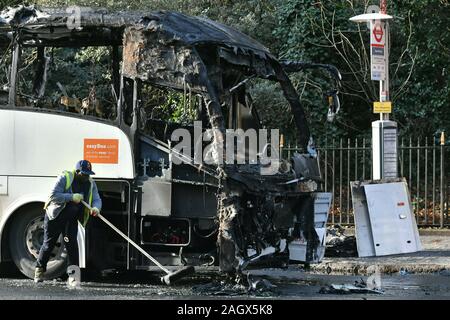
(206,284)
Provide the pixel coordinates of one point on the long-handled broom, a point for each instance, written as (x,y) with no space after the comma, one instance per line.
(170,277)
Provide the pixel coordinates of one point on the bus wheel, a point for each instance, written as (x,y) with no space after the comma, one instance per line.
(25,240)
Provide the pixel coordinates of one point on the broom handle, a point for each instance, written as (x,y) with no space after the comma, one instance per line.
(128,239)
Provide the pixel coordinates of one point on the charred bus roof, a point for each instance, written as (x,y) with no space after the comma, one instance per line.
(98,27)
(162,47)
(52,27)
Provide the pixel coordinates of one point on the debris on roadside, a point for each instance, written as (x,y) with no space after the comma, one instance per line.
(358,287)
(244,285)
(338,244)
(403,272)
(258,284)
(445,272)
(220,288)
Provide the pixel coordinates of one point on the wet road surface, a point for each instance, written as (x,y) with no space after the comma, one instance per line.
(206,284)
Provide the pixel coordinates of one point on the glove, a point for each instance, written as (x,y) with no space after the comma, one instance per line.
(77,197)
(94,211)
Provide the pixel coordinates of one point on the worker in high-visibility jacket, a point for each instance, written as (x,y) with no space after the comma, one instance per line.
(64,209)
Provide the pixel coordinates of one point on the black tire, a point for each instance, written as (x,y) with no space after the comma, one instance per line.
(24,250)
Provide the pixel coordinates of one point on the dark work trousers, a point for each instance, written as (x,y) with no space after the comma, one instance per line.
(67,224)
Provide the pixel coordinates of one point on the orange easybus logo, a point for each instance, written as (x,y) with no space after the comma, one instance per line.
(101,150)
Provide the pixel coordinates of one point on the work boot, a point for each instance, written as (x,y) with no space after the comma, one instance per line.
(38,274)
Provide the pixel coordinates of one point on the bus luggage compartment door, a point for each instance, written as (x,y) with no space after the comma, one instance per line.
(156,198)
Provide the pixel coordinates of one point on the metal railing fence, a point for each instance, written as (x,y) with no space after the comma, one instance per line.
(423,164)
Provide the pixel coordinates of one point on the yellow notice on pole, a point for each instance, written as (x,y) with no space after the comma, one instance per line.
(382,107)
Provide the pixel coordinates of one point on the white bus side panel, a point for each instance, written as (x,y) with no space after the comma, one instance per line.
(43,144)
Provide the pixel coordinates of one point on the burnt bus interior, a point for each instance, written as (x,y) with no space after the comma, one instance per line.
(184,214)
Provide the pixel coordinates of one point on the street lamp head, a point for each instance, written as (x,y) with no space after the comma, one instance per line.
(370,16)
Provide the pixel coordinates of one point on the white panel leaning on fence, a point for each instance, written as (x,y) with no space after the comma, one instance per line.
(384,219)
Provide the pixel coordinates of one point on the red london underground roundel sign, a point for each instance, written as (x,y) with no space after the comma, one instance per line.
(377,32)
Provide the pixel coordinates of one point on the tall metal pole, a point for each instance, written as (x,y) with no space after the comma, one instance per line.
(442,180)
(384,131)
(384,84)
